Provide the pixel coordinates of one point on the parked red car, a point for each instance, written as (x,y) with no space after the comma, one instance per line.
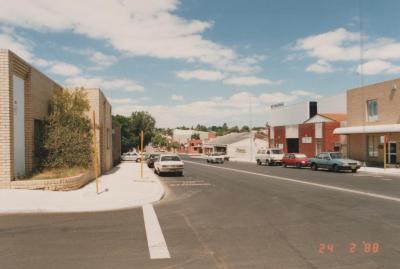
(298,160)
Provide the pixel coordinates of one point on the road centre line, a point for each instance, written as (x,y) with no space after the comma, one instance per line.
(330,187)
(155,239)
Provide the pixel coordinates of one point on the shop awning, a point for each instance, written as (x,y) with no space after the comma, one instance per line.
(369,129)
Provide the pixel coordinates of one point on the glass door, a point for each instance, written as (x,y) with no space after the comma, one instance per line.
(391,152)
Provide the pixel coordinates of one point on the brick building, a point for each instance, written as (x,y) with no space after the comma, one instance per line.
(24,99)
(373,123)
(311,137)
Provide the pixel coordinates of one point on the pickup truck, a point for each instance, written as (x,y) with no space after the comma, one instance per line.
(269,156)
(334,161)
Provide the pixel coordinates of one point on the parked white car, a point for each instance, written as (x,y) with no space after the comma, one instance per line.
(215,158)
(269,156)
(225,156)
(169,163)
(131,156)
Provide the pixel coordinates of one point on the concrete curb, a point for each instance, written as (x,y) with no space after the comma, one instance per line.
(117,198)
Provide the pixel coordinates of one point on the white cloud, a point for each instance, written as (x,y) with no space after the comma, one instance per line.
(17,44)
(64,69)
(341,45)
(247,81)
(177,97)
(233,109)
(200,74)
(378,67)
(302,93)
(320,67)
(135,27)
(103,60)
(105,84)
(122,101)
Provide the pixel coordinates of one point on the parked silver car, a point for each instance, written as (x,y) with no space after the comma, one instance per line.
(131,156)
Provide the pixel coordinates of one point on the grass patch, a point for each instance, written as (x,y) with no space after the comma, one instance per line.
(59,173)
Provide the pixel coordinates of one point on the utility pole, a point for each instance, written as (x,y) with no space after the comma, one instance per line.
(95,159)
(141,154)
(251,126)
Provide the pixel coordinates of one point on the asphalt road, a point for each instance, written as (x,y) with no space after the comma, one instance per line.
(233,215)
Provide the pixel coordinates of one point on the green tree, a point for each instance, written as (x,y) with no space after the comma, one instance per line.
(68,135)
(142,120)
(201,128)
(127,142)
(195,136)
(159,140)
(245,128)
(234,129)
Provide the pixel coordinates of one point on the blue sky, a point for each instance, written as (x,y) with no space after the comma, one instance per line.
(202,61)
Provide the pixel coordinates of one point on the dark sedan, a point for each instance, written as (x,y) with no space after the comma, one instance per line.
(151,159)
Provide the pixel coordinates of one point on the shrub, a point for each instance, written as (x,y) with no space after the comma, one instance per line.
(68,135)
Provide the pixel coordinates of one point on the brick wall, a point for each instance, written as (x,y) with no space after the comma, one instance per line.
(37,93)
(6,146)
(388,102)
(330,139)
(57,184)
(280,136)
(307,130)
(102,108)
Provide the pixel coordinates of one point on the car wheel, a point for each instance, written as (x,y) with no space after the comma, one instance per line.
(335,168)
(208,161)
(298,165)
(314,167)
(284,165)
(258,162)
(138,160)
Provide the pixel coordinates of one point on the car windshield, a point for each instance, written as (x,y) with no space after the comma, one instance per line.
(170,158)
(336,155)
(277,151)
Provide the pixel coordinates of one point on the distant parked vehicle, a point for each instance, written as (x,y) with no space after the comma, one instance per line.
(334,161)
(215,158)
(168,163)
(131,156)
(270,156)
(224,155)
(152,159)
(298,160)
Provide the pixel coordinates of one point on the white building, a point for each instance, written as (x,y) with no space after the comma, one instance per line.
(293,114)
(237,145)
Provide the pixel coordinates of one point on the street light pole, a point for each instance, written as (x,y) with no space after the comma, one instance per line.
(251,127)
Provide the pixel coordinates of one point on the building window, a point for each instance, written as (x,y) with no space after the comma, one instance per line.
(372,110)
(373,142)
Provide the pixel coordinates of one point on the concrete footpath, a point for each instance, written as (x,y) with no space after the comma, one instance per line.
(120,188)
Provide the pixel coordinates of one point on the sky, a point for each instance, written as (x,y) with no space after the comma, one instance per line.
(192,62)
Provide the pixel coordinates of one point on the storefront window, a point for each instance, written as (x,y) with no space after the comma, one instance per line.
(372,110)
(373,142)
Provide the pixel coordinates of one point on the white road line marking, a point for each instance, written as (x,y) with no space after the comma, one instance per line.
(155,239)
(330,187)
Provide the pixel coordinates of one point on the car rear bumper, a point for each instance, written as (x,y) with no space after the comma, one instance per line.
(170,170)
